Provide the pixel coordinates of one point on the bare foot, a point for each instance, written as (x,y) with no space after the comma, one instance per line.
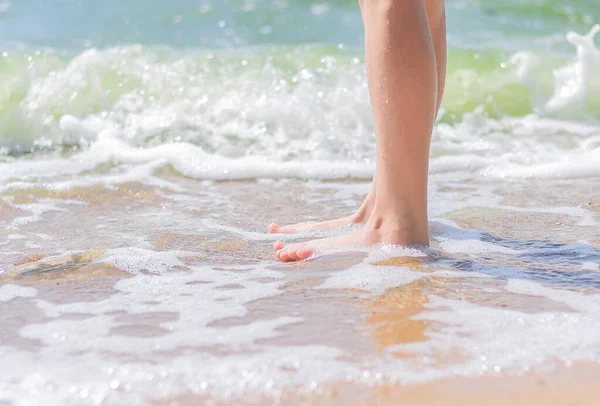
(360,217)
(370,234)
(312,225)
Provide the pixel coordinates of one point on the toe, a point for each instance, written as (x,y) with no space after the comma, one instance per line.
(304,253)
(278,245)
(286,230)
(292,254)
(283,255)
(277,229)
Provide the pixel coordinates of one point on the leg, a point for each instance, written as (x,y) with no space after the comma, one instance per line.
(436,17)
(401,71)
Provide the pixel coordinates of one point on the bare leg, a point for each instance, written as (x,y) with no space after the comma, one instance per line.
(401,71)
(436,17)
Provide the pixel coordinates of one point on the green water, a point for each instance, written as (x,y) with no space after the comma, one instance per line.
(126,63)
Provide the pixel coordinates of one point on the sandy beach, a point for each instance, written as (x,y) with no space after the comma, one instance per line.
(378,327)
(146,146)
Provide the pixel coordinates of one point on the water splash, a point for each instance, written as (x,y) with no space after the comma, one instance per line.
(573,82)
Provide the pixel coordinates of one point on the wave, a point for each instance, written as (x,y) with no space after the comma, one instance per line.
(288,111)
(218,99)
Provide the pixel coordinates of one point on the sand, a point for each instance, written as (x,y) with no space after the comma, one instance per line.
(64,250)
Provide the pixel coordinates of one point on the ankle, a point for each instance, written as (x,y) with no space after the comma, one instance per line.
(405,229)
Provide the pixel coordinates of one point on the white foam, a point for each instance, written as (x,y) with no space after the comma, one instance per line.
(43,237)
(379,252)
(371,278)
(473,247)
(135,260)
(515,148)
(176,114)
(585,304)
(9,292)
(306,137)
(258,373)
(487,339)
(586,217)
(492,340)
(385,251)
(572,83)
(37,210)
(590,266)
(192,161)
(195,302)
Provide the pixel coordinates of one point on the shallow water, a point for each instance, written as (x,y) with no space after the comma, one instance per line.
(142,155)
(152,293)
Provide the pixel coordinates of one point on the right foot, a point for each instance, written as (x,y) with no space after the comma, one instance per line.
(388,229)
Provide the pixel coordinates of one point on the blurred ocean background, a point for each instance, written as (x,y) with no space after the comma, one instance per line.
(146,145)
(243,89)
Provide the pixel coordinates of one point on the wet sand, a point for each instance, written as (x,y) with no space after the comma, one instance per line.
(64,249)
(575,386)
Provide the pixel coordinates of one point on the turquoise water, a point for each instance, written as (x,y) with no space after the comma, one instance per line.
(70,25)
(90,61)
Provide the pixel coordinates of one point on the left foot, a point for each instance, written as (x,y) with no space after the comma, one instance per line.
(369,235)
(312,225)
(360,217)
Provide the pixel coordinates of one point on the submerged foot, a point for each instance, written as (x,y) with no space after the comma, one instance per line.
(360,217)
(313,225)
(369,235)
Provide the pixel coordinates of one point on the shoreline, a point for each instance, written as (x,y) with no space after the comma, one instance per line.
(507,254)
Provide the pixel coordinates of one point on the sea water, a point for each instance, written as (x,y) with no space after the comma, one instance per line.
(145,146)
